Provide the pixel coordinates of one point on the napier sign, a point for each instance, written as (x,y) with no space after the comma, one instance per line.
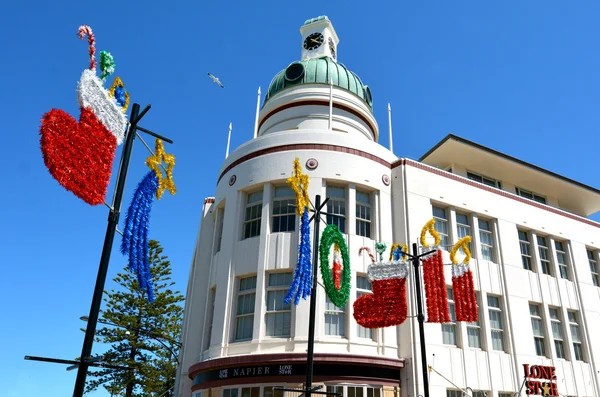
(541,380)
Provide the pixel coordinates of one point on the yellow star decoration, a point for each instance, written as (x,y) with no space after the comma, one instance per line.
(299,182)
(154,163)
(546,389)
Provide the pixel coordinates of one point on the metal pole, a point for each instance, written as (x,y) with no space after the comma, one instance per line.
(113,221)
(257,112)
(421,318)
(313,299)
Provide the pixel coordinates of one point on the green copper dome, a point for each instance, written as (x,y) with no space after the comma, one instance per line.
(319,70)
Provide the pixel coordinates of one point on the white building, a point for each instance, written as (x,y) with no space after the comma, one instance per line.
(535,255)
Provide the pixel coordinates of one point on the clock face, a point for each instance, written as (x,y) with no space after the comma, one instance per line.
(332,48)
(313,41)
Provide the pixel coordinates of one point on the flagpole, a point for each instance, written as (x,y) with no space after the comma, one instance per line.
(330,104)
(228,140)
(390,127)
(257,111)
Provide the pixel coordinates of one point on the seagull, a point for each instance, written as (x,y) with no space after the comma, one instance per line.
(216,80)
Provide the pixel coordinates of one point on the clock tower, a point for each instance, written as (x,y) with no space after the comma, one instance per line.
(319,39)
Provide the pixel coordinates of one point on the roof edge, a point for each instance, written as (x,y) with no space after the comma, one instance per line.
(507,157)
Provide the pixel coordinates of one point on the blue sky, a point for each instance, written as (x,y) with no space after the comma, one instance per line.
(520,77)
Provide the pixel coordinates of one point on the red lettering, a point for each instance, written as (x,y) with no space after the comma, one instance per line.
(553,389)
(544,372)
(535,372)
(531,387)
(526,368)
(552,374)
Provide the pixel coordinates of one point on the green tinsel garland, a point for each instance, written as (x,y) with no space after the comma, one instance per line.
(107,64)
(332,235)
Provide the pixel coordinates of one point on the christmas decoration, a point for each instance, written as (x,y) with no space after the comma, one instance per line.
(387,305)
(79,154)
(465,301)
(398,249)
(332,235)
(137,223)
(107,64)
(436,296)
(337,266)
(302,282)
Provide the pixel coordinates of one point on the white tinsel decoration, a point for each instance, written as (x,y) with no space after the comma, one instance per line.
(91,94)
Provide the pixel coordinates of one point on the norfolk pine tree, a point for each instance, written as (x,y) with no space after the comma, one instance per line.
(143,326)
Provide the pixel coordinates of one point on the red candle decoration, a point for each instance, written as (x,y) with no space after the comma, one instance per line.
(463,285)
(337,267)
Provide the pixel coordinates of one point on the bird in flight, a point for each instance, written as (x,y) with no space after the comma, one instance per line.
(216,80)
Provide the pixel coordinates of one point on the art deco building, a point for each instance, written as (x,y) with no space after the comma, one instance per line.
(535,256)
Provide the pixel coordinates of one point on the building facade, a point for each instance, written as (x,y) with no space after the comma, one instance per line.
(535,256)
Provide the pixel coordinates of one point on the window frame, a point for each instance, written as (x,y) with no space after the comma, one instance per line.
(563,268)
(575,328)
(475,325)
(337,217)
(593,262)
(528,194)
(538,340)
(544,255)
(257,220)
(529,249)
(559,342)
(212,296)
(279,290)
(240,293)
(486,180)
(486,232)
(219,236)
(362,221)
(332,310)
(464,229)
(290,215)
(444,236)
(500,331)
(450,327)
(360,291)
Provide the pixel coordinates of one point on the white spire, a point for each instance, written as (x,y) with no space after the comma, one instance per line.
(390,127)
(228,140)
(257,110)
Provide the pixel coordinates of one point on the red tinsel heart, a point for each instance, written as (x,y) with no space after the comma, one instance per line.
(79,155)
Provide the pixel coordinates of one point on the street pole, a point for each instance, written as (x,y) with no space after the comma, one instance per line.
(113,221)
(420,317)
(313,299)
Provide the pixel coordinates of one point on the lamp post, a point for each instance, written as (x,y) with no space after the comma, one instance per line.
(143,332)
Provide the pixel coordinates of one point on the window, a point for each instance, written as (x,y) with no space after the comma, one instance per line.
(538,329)
(505,394)
(244,319)
(594,268)
(363,214)
(496,327)
(487,241)
(441,226)
(557,333)
(211,313)
(253,214)
(220,216)
(230,392)
(449,329)
(269,391)
(474,329)
(544,256)
(484,179)
(251,391)
(279,314)
(561,257)
(530,195)
(525,250)
(335,319)
(575,335)
(463,228)
(363,287)
(284,210)
(355,391)
(480,393)
(337,207)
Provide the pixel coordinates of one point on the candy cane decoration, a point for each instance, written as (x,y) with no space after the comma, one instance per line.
(368,251)
(86,30)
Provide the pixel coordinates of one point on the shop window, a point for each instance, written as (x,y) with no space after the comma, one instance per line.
(279,314)
(284,210)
